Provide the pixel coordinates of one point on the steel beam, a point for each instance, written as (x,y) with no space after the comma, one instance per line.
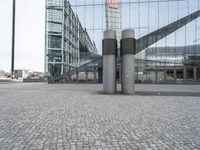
(159,34)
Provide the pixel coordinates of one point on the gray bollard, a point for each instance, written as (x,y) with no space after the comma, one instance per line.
(128,58)
(109,61)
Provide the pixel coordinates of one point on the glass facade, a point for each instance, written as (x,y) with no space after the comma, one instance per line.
(66,39)
(164,37)
(145,17)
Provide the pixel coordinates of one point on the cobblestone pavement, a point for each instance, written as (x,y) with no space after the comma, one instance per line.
(42,116)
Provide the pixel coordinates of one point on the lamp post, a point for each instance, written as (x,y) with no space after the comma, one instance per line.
(13,41)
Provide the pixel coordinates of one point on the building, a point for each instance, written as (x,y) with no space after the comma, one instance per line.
(2,73)
(66,39)
(21,73)
(112,14)
(167,37)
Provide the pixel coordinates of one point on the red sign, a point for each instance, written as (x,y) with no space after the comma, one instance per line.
(113,4)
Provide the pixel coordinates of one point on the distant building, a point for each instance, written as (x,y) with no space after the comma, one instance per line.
(112,14)
(66,40)
(2,73)
(113,17)
(21,73)
(35,75)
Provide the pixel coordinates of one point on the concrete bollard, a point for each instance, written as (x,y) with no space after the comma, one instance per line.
(109,48)
(128,50)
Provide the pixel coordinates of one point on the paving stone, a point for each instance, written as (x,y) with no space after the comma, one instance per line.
(73,117)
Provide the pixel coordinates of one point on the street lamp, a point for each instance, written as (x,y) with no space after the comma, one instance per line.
(13,41)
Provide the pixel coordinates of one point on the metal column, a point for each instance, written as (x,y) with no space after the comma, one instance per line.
(184,73)
(86,75)
(109,61)
(156,73)
(95,74)
(195,74)
(77,76)
(100,73)
(13,41)
(175,74)
(165,73)
(128,61)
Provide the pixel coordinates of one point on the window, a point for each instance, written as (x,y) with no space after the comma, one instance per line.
(54,27)
(54,2)
(54,41)
(55,15)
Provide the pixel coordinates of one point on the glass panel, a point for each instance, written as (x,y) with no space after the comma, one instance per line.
(54,41)
(54,27)
(55,15)
(54,2)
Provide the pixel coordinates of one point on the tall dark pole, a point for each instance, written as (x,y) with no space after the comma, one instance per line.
(13,40)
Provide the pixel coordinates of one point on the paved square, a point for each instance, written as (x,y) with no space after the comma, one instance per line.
(42,116)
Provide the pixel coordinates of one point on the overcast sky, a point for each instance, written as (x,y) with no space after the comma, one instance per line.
(30,34)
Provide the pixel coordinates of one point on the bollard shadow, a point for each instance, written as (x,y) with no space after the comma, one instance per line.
(165,93)
(151,93)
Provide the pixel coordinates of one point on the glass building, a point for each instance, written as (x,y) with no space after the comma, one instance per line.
(66,39)
(112,14)
(167,36)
